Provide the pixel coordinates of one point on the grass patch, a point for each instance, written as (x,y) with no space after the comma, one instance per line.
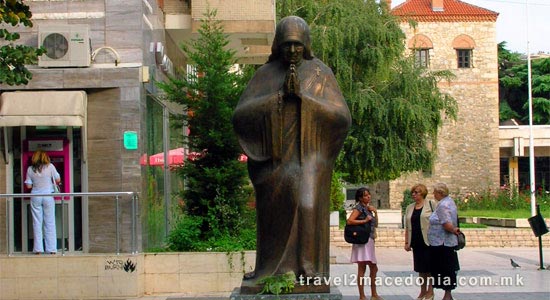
(491,213)
(472,225)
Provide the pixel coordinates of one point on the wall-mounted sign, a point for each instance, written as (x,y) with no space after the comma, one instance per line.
(161,59)
(130,140)
(46,145)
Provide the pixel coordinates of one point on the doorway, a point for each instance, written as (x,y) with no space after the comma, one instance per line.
(64,146)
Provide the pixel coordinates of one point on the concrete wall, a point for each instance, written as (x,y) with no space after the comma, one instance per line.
(189,273)
(71,277)
(122,277)
(468,148)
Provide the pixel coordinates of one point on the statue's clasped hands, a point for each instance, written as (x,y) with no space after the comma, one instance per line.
(292,85)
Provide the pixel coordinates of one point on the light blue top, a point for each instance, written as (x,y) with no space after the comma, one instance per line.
(42,182)
(445,212)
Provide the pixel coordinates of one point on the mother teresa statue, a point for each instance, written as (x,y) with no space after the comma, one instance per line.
(291,122)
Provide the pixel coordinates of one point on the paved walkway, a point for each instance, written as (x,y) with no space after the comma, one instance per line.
(486,274)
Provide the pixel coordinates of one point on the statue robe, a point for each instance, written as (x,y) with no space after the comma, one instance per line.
(292,143)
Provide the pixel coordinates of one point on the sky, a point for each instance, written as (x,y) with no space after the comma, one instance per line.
(512,26)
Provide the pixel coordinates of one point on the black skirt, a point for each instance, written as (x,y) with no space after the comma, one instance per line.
(443,267)
(421,258)
(421,254)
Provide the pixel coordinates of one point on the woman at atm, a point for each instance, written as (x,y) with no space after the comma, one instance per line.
(42,178)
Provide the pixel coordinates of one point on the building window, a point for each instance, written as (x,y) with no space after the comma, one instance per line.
(422,57)
(464,58)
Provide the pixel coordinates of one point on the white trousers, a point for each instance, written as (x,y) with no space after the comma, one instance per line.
(43,214)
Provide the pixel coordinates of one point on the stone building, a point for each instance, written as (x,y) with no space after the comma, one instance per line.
(94,105)
(456,36)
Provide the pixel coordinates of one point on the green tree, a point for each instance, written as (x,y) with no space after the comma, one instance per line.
(13,58)
(396,106)
(215,181)
(513,87)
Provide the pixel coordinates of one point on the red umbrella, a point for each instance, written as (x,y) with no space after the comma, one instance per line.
(175,157)
(143,159)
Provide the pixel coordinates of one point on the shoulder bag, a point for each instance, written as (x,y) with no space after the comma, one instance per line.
(55,186)
(461,237)
(357,234)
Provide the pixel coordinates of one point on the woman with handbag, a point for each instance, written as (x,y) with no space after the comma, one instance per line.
(42,177)
(364,254)
(417,223)
(442,236)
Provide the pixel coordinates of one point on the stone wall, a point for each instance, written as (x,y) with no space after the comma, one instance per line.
(117,24)
(116,99)
(258,17)
(114,106)
(176,6)
(475,238)
(233,10)
(3,202)
(468,148)
(161,274)
(111,168)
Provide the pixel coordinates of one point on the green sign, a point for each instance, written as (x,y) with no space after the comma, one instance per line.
(130,140)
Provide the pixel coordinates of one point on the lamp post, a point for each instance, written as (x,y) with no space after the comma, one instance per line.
(534,208)
(531,137)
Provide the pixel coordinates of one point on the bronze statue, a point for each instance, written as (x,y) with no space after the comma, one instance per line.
(291,122)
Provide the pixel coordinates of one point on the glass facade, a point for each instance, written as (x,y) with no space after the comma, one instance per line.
(162,185)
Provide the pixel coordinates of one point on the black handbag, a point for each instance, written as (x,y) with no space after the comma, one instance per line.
(357,234)
(461,241)
(461,237)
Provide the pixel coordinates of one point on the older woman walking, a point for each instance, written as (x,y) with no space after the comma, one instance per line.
(442,236)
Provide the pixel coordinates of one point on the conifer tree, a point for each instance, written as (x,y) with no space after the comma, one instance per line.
(215,179)
(396,106)
(514,88)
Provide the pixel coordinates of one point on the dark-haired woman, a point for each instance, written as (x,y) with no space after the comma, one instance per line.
(41,175)
(364,254)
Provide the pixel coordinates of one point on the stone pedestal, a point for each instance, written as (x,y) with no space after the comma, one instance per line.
(248,287)
(334,294)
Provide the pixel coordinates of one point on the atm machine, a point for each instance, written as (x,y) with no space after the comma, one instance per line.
(59,151)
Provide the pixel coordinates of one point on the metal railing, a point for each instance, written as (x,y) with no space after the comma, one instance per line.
(63,196)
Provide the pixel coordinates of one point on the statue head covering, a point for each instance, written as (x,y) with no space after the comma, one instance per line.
(291,29)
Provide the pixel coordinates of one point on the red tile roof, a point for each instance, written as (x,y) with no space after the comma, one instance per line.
(453,11)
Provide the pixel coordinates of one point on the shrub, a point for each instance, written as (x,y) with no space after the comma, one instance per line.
(503,199)
(337,196)
(278,284)
(407,199)
(185,236)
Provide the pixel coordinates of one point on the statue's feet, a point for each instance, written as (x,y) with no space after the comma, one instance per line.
(307,270)
(249,275)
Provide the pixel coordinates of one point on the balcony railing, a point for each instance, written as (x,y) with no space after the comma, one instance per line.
(63,197)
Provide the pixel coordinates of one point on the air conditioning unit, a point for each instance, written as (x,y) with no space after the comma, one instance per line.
(66,46)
